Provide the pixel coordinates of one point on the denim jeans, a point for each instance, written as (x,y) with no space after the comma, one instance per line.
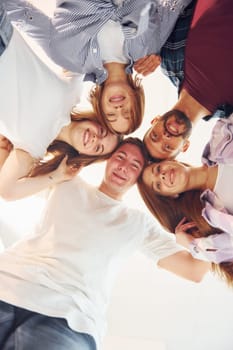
(6,30)
(22,329)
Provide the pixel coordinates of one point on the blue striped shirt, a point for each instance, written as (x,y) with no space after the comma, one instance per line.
(6,30)
(70,37)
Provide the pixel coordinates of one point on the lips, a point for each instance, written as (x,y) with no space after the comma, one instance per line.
(175,127)
(116,98)
(118,177)
(171,176)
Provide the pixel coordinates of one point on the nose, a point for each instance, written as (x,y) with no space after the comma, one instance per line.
(118,107)
(94,138)
(167,134)
(162,175)
(123,167)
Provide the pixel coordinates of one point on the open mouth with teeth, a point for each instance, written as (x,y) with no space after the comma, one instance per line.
(116,99)
(175,127)
(86,137)
(171,176)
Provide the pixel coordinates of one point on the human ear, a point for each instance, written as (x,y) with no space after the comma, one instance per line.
(155,119)
(185,145)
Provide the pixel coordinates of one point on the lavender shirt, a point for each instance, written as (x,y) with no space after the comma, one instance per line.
(218,247)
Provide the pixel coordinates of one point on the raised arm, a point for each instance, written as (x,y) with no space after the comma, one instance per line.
(14,183)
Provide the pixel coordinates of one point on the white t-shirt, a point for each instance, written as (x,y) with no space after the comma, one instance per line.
(223,187)
(68,266)
(111,42)
(35,102)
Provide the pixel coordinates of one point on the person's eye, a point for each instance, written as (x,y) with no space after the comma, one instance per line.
(119,157)
(135,166)
(103,131)
(168,148)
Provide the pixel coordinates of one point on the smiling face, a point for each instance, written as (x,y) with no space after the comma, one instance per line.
(118,105)
(122,170)
(168,136)
(91,138)
(167,178)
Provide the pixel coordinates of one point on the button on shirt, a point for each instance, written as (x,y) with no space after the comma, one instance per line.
(70,36)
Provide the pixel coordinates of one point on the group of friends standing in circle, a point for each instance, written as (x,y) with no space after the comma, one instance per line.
(111,43)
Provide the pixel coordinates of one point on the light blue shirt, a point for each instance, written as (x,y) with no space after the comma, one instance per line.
(70,37)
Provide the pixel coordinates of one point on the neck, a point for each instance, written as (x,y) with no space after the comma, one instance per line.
(110,192)
(212,173)
(202,178)
(64,134)
(191,107)
(116,72)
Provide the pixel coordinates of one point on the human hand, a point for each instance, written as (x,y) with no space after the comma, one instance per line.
(5,144)
(181,231)
(147,64)
(67,73)
(64,172)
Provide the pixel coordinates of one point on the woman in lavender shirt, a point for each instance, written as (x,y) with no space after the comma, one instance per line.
(196,202)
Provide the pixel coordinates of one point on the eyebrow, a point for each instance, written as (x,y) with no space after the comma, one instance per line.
(134,160)
(102,149)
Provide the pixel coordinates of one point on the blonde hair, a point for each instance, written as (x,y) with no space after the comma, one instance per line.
(57,150)
(95,98)
(169,211)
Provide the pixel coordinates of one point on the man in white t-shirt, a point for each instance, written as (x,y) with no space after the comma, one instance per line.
(55,284)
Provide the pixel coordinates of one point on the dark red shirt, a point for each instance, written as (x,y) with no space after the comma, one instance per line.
(209,54)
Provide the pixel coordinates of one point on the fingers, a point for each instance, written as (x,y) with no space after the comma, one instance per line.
(185,226)
(147,64)
(181,221)
(5,144)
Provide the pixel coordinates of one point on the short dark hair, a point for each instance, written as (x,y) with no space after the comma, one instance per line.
(181,115)
(137,142)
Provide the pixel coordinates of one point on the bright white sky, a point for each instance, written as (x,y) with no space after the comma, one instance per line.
(150,309)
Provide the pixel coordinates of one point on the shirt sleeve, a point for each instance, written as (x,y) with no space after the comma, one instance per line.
(219,149)
(30,20)
(159,243)
(216,248)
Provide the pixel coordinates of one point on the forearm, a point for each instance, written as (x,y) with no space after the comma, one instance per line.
(30,20)
(184,265)
(14,183)
(27,186)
